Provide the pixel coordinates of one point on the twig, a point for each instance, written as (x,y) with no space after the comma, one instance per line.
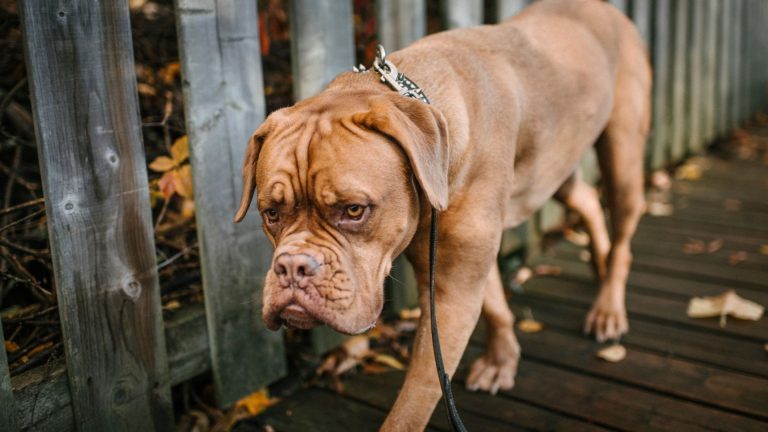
(38,253)
(30,186)
(8,97)
(21,206)
(176,256)
(162,212)
(22,220)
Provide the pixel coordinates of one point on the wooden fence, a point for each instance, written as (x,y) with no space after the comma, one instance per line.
(121,358)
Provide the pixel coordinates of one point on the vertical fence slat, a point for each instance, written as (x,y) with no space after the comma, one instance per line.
(508,8)
(696,73)
(400,22)
(723,69)
(662,82)
(734,94)
(80,63)
(622,5)
(711,14)
(224,104)
(642,15)
(7,412)
(322,46)
(679,126)
(462,13)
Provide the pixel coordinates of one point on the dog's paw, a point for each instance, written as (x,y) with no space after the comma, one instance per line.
(607,319)
(497,368)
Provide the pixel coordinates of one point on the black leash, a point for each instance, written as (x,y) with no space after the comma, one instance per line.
(408,88)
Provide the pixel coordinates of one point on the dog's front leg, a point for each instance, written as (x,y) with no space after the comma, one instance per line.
(463,267)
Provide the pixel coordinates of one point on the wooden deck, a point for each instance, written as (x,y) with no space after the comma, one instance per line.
(679,374)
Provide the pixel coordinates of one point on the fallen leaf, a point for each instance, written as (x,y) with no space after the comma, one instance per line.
(389,361)
(688,171)
(180,150)
(714,246)
(170,72)
(357,346)
(764,249)
(374,368)
(737,257)
(146,89)
(694,246)
(162,164)
(408,314)
(11,346)
(522,275)
(529,326)
(182,181)
(727,303)
(172,305)
(345,365)
(256,402)
(579,238)
(655,208)
(614,353)
(547,270)
(187,208)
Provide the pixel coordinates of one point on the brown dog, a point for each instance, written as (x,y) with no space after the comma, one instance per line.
(346,181)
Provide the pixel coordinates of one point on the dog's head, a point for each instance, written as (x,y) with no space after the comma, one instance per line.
(340,178)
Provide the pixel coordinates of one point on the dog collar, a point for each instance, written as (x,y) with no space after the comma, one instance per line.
(392,77)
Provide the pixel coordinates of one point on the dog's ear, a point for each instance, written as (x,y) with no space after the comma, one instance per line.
(249,168)
(422,133)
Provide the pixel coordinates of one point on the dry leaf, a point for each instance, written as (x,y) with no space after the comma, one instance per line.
(764,249)
(357,346)
(187,208)
(408,314)
(694,246)
(727,303)
(714,246)
(256,402)
(660,208)
(614,353)
(389,361)
(11,346)
(180,150)
(522,275)
(345,365)
(688,171)
(146,89)
(529,326)
(547,270)
(737,257)
(162,164)
(182,181)
(579,238)
(172,305)
(170,72)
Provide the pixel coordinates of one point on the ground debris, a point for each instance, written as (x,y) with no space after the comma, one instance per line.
(727,303)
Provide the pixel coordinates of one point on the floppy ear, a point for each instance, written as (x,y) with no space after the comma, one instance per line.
(422,133)
(249,169)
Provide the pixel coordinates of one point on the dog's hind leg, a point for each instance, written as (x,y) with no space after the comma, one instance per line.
(583,199)
(495,370)
(620,151)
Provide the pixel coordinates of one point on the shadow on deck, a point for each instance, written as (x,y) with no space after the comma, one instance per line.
(679,374)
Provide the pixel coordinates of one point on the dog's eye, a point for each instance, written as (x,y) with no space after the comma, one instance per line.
(355,211)
(271,215)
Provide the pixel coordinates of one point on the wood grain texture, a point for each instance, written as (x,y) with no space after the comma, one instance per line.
(7,413)
(462,13)
(661,56)
(400,22)
(322,45)
(641,13)
(723,64)
(711,14)
(696,70)
(734,102)
(81,72)
(679,123)
(224,104)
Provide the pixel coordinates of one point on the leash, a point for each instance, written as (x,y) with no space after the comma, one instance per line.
(406,87)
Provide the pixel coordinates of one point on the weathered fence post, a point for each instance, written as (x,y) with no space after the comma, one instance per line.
(622,5)
(711,14)
(462,13)
(322,46)
(723,70)
(224,104)
(734,111)
(508,8)
(83,88)
(695,79)
(8,411)
(679,125)
(642,14)
(400,22)
(661,83)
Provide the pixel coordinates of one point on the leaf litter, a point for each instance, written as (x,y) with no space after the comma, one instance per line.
(727,303)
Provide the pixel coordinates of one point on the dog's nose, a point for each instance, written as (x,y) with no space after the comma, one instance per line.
(295,269)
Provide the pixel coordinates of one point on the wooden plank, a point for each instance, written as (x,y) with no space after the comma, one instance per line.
(734,119)
(706,348)
(567,347)
(8,413)
(462,13)
(679,123)
(479,410)
(224,103)
(695,81)
(723,73)
(712,14)
(610,404)
(642,15)
(508,8)
(400,22)
(662,77)
(82,80)
(322,43)
(622,5)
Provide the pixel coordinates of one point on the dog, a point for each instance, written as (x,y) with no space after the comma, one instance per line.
(347,180)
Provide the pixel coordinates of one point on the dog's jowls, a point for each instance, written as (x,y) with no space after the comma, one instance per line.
(346,181)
